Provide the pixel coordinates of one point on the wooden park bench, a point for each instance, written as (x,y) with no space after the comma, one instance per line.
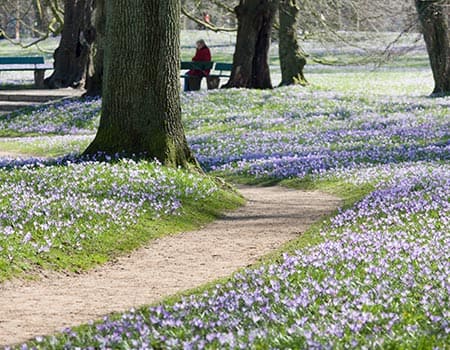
(36,64)
(218,70)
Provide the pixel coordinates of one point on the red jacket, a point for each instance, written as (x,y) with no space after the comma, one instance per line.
(202,55)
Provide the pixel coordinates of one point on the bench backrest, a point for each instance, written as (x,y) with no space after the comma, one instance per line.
(22,60)
(224,66)
(197,65)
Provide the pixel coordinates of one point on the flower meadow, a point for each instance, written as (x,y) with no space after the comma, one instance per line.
(68,117)
(378,279)
(294,135)
(60,208)
(286,133)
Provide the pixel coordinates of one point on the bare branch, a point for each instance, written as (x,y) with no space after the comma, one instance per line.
(207,25)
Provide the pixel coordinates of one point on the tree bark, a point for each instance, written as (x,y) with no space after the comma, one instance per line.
(141,111)
(94,74)
(71,56)
(292,59)
(250,61)
(434,18)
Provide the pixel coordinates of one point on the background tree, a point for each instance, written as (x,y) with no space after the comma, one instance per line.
(292,59)
(94,74)
(434,17)
(141,110)
(250,61)
(71,56)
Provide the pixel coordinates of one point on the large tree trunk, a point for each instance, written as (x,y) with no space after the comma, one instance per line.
(292,60)
(94,76)
(434,18)
(141,111)
(250,62)
(71,56)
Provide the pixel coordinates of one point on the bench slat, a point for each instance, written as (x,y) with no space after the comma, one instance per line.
(219,66)
(226,67)
(218,69)
(21,60)
(25,67)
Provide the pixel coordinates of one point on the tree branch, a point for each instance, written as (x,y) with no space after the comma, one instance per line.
(206,24)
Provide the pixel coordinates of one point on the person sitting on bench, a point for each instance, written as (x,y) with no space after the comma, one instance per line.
(203,54)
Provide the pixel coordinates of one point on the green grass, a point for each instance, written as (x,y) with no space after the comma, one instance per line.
(45,48)
(52,146)
(380,82)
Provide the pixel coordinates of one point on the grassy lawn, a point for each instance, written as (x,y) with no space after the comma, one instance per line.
(373,275)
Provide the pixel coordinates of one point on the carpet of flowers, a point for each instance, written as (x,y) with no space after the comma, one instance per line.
(65,117)
(283,134)
(296,134)
(62,205)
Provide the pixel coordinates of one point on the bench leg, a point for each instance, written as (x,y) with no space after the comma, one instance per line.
(213,82)
(39,76)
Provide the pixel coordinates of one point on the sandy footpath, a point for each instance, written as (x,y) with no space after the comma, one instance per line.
(272,217)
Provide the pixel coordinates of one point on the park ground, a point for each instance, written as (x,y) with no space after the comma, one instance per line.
(373,274)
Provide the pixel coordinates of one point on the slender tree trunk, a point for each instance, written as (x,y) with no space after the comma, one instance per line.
(292,60)
(18,19)
(141,111)
(250,62)
(71,56)
(434,18)
(94,76)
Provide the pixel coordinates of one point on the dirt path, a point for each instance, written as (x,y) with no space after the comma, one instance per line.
(169,265)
